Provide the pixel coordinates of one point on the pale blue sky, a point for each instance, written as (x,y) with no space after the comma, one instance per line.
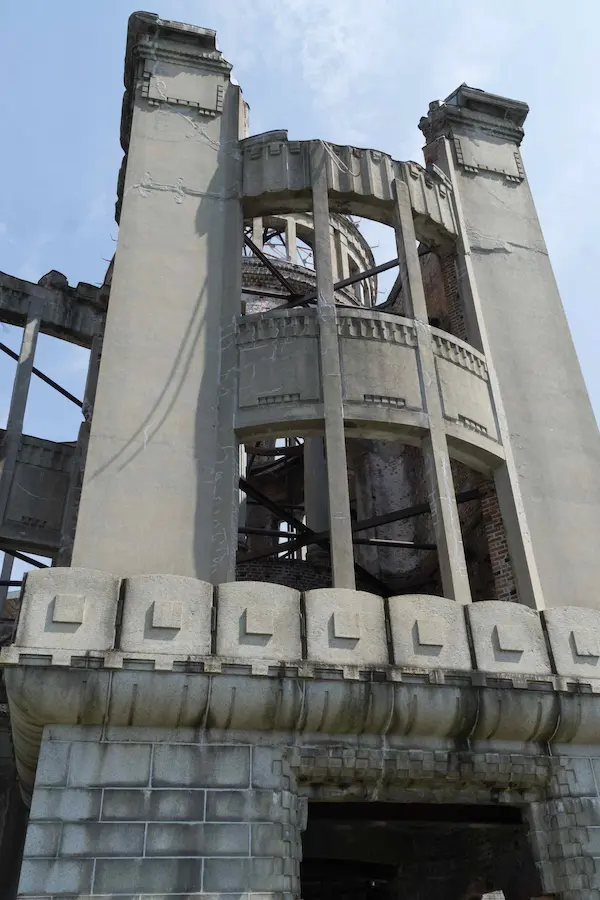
(351,71)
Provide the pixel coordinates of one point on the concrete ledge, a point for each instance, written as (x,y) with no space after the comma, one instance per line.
(68,608)
(167,614)
(345,627)
(256,620)
(508,638)
(574,634)
(429,632)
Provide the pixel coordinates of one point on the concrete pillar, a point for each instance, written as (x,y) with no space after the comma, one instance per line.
(514,313)
(160,486)
(5,573)
(441,493)
(316,498)
(342,557)
(18,402)
(291,247)
(152,812)
(257,232)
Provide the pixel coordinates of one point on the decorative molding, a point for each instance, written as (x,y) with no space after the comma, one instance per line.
(270,327)
(398,402)
(460,353)
(469,109)
(161,87)
(489,158)
(472,424)
(376,328)
(278,398)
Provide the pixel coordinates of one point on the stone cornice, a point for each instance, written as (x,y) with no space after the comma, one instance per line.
(151,38)
(470,109)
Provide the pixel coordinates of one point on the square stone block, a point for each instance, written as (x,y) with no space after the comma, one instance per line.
(508,637)
(574,634)
(429,632)
(167,614)
(68,608)
(345,627)
(256,620)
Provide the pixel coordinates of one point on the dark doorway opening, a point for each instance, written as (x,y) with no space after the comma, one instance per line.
(392,851)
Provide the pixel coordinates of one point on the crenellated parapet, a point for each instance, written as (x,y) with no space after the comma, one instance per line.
(169,651)
(277,179)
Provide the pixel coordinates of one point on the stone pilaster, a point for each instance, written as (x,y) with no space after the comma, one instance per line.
(565,829)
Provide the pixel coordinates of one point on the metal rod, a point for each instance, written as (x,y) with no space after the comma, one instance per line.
(371,542)
(25,558)
(308,533)
(263,532)
(256,292)
(374,522)
(297,450)
(345,282)
(4,583)
(270,265)
(43,377)
(399,545)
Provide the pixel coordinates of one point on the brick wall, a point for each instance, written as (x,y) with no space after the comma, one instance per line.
(440,283)
(502,570)
(299,574)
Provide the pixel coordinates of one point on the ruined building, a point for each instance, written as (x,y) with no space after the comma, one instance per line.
(323,615)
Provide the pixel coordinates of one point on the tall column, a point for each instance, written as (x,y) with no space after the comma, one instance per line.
(549,488)
(440,487)
(316,498)
(342,556)
(18,403)
(291,247)
(159,492)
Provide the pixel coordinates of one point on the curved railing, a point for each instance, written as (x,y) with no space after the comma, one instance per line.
(280,379)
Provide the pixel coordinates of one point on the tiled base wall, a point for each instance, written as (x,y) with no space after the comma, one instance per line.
(148,817)
(134,812)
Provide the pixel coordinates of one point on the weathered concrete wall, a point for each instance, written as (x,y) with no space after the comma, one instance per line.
(554,437)
(162,434)
(142,811)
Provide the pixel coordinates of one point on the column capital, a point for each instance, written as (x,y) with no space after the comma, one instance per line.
(470,109)
(157,55)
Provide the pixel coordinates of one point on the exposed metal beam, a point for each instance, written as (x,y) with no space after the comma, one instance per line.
(10,583)
(296,450)
(371,542)
(308,533)
(345,282)
(399,545)
(270,265)
(386,519)
(25,558)
(43,377)
(257,292)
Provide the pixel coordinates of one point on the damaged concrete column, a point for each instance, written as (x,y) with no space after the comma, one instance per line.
(159,492)
(549,487)
(342,556)
(440,486)
(316,498)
